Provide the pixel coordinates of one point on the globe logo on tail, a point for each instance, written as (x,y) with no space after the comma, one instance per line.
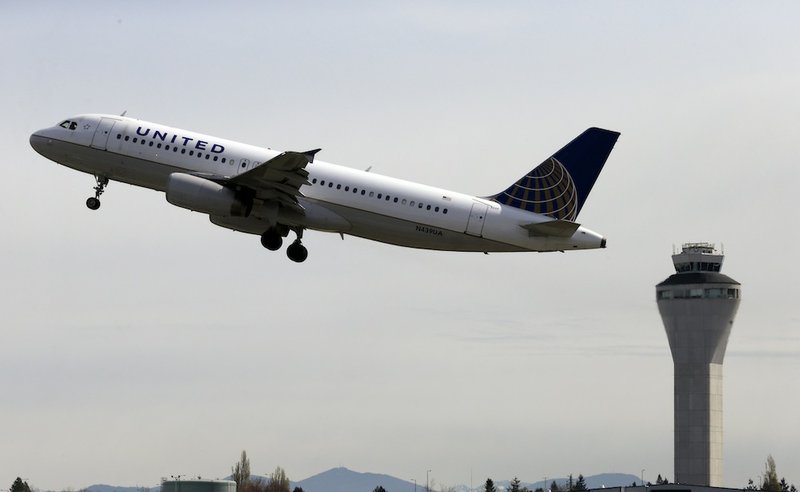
(547,190)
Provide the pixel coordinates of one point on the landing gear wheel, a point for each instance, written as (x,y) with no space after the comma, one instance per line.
(271,240)
(297,252)
(94,202)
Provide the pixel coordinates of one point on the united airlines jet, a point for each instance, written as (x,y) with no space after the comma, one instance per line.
(270,193)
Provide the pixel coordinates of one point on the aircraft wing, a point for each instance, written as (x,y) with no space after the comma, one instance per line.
(278,179)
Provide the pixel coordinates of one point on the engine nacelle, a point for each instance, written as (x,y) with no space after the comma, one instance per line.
(202,195)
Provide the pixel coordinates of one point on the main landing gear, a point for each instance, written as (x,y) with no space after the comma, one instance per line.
(93,202)
(272,239)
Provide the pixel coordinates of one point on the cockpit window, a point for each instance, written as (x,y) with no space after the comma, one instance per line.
(69,125)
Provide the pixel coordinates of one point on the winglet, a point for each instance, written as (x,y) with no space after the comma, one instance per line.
(310,154)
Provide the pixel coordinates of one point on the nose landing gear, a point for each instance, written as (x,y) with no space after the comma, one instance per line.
(93,202)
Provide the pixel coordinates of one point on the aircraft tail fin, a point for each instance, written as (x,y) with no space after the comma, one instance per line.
(558,187)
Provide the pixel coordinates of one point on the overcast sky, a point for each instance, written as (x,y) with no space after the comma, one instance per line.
(141,341)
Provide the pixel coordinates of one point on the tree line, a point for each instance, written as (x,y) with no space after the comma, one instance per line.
(279,482)
(571,485)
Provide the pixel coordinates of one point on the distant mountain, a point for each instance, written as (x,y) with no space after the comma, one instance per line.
(111,488)
(344,480)
(592,481)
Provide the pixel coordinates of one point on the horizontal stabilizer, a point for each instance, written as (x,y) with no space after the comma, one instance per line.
(557,228)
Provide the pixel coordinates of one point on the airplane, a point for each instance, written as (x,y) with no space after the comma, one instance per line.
(271,193)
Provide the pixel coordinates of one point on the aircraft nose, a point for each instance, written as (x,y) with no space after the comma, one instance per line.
(40,142)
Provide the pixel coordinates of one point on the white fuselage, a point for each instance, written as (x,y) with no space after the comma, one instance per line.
(338,199)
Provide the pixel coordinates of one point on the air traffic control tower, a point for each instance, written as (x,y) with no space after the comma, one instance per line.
(698,305)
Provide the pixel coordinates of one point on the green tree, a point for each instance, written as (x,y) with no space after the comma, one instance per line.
(769,482)
(554,487)
(278,481)
(379,488)
(489,486)
(241,472)
(580,485)
(515,485)
(785,487)
(298,489)
(19,486)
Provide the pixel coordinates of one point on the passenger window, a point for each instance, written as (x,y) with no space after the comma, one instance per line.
(127,138)
(379,195)
(428,208)
(135,139)
(346,188)
(314,181)
(371,194)
(151,143)
(444,211)
(119,136)
(322,183)
(395,199)
(223,160)
(363,192)
(420,205)
(159,146)
(338,187)
(412,203)
(191,152)
(436,209)
(404,201)
(183,151)
(330,184)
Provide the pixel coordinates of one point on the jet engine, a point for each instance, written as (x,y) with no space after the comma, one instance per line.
(202,195)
